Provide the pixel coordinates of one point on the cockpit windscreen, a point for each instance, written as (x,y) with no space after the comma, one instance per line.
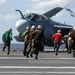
(33,17)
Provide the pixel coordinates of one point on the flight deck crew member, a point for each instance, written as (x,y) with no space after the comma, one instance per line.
(28,50)
(65,41)
(38,37)
(7,37)
(25,35)
(69,42)
(72,35)
(57,37)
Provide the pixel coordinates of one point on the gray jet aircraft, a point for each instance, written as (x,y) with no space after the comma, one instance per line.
(49,26)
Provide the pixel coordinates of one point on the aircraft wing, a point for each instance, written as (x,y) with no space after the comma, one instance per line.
(71,12)
(52,12)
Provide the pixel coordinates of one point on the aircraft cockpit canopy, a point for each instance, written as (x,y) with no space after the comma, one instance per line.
(28,16)
(33,17)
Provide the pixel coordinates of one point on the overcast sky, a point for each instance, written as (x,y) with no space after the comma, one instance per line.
(9,17)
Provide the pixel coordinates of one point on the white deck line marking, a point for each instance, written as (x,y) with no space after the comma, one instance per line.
(38,58)
(39,67)
(34,72)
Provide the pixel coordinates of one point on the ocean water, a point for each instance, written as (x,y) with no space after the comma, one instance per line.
(15,46)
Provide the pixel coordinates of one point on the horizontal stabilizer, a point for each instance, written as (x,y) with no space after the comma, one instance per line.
(52,12)
(63,26)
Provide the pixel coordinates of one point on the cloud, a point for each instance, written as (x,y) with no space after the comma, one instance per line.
(50,3)
(10,17)
(34,1)
(3,1)
(38,6)
(27,11)
(0,15)
(42,6)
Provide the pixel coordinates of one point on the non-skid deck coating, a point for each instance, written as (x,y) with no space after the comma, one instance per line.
(46,64)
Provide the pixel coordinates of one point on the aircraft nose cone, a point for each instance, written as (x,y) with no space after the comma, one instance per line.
(21,25)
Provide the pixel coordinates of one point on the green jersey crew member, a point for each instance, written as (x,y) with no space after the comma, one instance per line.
(7,37)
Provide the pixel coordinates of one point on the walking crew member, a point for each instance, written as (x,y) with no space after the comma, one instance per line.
(28,50)
(69,42)
(72,35)
(57,37)
(38,38)
(7,37)
(25,35)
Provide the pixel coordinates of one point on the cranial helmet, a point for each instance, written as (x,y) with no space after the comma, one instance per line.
(33,27)
(27,27)
(39,27)
(9,29)
(74,28)
(59,31)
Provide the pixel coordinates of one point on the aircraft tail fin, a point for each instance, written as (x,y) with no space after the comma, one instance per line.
(52,12)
